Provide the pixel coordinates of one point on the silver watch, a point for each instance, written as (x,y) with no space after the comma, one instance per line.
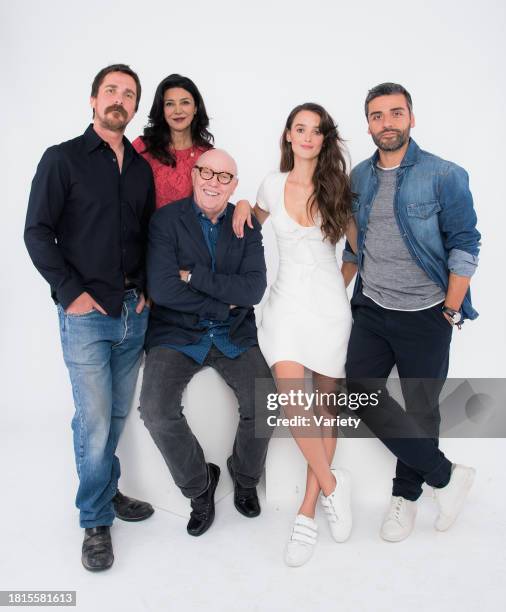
(455,315)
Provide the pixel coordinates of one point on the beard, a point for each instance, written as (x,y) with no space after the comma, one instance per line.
(115,118)
(393,143)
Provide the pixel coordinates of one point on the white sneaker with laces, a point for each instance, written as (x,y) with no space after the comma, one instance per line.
(451,498)
(300,546)
(337,506)
(399,520)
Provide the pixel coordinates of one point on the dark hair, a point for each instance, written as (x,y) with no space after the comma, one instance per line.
(387,89)
(97,81)
(332,195)
(157,137)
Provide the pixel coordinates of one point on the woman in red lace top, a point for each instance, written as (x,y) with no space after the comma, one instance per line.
(175,137)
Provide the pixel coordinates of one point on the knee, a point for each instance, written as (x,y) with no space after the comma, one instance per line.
(247,408)
(159,406)
(98,435)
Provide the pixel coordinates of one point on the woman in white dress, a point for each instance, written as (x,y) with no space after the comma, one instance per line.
(306,320)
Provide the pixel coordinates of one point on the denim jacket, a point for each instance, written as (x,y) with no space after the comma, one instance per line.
(434,210)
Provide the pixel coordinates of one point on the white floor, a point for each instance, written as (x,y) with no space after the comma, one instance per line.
(238,564)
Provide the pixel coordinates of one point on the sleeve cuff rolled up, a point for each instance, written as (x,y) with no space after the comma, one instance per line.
(462,263)
(349,257)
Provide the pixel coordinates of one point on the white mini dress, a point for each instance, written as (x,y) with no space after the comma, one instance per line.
(307,316)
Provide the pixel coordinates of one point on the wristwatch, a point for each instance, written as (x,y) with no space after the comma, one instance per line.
(455,316)
(188,278)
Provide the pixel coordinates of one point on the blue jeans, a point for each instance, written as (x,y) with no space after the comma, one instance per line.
(103,356)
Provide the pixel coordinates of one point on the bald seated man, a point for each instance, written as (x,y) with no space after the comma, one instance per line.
(204,281)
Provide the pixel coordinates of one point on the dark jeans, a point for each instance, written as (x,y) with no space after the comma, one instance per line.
(166,374)
(419,344)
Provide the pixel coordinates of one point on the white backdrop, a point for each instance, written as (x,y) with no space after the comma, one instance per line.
(253,62)
(252,65)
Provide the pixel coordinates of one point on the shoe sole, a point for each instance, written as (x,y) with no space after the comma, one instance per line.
(460,505)
(341,539)
(196,535)
(397,539)
(231,472)
(298,564)
(134,520)
(97,569)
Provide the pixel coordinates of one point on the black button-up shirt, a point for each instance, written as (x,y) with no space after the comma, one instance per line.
(87,222)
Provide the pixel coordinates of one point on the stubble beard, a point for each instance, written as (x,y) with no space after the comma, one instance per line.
(392,144)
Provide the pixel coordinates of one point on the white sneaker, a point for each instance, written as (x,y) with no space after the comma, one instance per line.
(300,546)
(451,498)
(337,506)
(399,520)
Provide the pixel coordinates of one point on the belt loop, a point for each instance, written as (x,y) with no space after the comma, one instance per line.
(132,292)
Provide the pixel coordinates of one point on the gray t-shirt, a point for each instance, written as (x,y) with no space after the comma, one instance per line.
(390,275)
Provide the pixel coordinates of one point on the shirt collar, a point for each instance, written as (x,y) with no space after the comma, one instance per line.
(410,157)
(92,139)
(202,215)
(93,142)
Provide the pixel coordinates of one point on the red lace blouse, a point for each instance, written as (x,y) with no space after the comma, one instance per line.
(171,184)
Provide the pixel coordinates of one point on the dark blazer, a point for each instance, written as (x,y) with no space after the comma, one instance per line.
(176,242)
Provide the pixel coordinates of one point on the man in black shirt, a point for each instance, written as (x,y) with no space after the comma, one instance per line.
(86,232)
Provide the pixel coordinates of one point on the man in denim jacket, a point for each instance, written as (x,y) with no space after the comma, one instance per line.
(417,249)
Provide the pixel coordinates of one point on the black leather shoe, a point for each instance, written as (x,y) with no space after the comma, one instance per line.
(245,498)
(130,509)
(97,549)
(202,514)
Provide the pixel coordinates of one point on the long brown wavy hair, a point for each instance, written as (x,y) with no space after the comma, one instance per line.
(332,195)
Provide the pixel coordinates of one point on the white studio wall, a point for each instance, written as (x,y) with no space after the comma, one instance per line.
(253,63)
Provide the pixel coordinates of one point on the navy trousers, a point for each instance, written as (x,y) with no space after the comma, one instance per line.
(418,343)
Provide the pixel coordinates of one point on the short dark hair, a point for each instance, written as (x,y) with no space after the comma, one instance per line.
(97,81)
(387,89)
